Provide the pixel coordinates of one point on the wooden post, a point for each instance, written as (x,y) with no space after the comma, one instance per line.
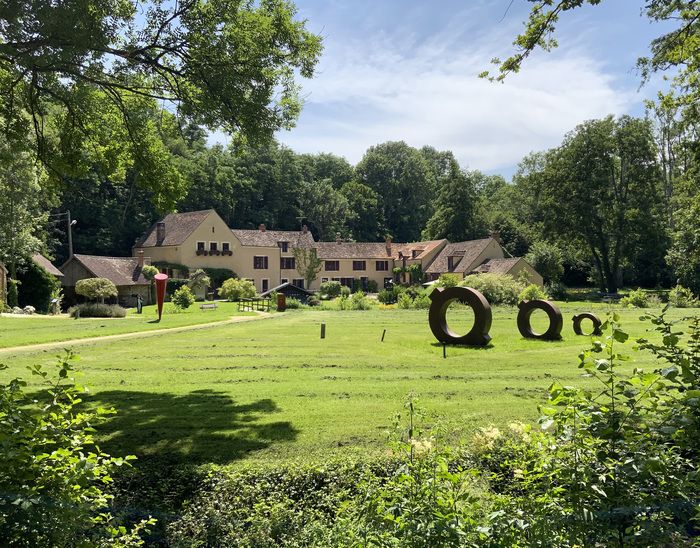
(323,330)
(383,333)
(444,350)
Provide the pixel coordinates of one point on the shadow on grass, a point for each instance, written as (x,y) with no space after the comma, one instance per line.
(203,426)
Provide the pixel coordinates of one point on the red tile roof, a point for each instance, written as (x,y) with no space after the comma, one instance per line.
(270,238)
(467,251)
(497,266)
(178,227)
(119,270)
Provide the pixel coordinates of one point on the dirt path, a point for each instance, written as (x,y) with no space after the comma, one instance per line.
(133,335)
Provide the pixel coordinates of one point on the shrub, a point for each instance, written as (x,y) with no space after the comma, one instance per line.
(345,291)
(96,310)
(422,301)
(547,259)
(12,295)
(635,299)
(293,304)
(198,280)
(532,292)
(386,296)
(499,289)
(404,301)
(330,289)
(235,289)
(53,475)
(37,287)
(359,302)
(313,301)
(217,276)
(556,291)
(448,280)
(96,289)
(172,285)
(371,286)
(183,297)
(682,297)
(149,272)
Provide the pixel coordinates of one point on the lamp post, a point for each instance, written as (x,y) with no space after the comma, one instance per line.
(71,224)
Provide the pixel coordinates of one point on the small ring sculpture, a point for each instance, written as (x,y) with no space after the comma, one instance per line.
(556,322)
(443,298)
(587,316)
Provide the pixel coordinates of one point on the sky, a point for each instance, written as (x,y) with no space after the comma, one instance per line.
(407,70)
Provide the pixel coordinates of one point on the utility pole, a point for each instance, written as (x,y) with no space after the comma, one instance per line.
(70,235)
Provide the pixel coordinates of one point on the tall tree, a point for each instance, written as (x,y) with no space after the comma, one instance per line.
(456,215)
(365,218)
(324,208)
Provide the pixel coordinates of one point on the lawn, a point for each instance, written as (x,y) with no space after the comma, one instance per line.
(16,330)
(271,389)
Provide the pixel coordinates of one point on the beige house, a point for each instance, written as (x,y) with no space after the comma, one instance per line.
(480,256)
(124,272)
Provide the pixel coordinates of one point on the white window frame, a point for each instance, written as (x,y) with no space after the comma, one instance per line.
(204,247)
(217,246)
(228,244)
(324,280)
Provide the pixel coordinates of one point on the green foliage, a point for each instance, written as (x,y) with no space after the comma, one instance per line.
(358,301)
(404,301)
(448,280)
(183,298)
(149,272)
(365,215)
(313,300)
(330,289)
(637,298)
(557,291)
(345,291)
(96,310)
(12,293)
(37,287)
(198,280)
(235,289)
(371,286)
(531,293)
(172,285)
(293,304)
(97,289)
(218,276)
(547,259)
(308,264)
(325,206)
(499,289)
(53,475)
(682,297)
(182,270)
(56,300)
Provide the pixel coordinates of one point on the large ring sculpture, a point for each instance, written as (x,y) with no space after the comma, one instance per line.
(556,322)
(587,316)
(443,298)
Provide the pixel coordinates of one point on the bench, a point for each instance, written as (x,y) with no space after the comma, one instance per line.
(208,306)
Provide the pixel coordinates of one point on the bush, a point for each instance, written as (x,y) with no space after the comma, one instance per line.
(183,298)
(499,289)
(682,297)
(37,287)
(371,286)
(330,289)
(360,302)
(532,292)
(422,301)
(386,296)
(12,295)
(345,291)
(448,280)
(217,276)
(96,289)
(149,272)
(635,299)
(172,286)
(404,301)
(96,310)
(235,289)
(293,304)
(53,475)
(557,291)
(313,301)
(547,259)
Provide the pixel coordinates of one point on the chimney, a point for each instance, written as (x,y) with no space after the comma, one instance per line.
(261,227)
(496,235)
(337,238)
(388,245)
(304,229)
(160,232)
(140,257)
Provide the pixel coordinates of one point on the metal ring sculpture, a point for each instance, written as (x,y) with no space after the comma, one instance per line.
(587,316)
(443,298)
(556,322)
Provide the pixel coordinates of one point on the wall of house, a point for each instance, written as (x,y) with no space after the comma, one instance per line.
(522,267)
(346,271)
(127,294)
(493,250)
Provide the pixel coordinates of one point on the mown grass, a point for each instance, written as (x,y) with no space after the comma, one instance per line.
(18,330)
(272,390)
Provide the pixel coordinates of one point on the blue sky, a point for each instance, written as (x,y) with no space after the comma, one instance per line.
(407,70)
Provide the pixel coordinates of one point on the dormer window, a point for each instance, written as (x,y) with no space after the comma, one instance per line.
(284,246)
(451,263)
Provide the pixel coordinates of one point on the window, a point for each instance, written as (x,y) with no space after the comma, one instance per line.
(451,263)
(213,246)
(299,282)
(284,246)
(382,266)
(359,265)
(201,246)
(332,266)
(347,282)
(260,263)
(225,246)
(284,280)
(264,285)
(287,263)
(324,280)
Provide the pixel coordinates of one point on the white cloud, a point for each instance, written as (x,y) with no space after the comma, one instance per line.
(427,93)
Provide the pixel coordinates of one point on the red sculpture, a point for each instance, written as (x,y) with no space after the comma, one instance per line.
(161,283)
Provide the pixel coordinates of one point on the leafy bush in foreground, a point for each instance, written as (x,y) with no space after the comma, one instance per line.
(235,289)
(184,298)
(330,289)
(53,475)
(97,289)
(531,293)
(96,310)
(682,297)
(499,289)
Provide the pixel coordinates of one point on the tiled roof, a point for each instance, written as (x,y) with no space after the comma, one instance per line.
(422,248)
(497,266)
(47,265)
(469,251)
(352,250)
(269,238)
(278,289)
(178,227)
(119,270)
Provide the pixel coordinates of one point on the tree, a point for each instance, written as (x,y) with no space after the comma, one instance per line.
(96,288)
(324,207)
(198,280)
(547,259)
(365,218)
(308,264)
(36,287)
(220,64)
(324,166)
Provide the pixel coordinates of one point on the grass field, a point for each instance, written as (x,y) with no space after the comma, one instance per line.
(271,389)
(18,330)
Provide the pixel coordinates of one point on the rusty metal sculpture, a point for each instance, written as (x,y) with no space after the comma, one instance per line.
(578,318)
(161,284)
(556,322)
(443,298)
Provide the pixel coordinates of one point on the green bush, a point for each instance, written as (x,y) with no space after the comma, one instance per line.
(499,289)
(172,285)
(330,289)
(371,286)
(547,259)
(149,272)
(53,476)
(404,301)
(557,291)
(359,301)
(386,296)
(12,293)
(313,300)
(96,310)
(96,289)
(422,301)
(345,291)
(682,297)
(293,304)
(37,287)
(183,298)
(532,292)
(235,289)
(637,299)
(217,276)
(448,280)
